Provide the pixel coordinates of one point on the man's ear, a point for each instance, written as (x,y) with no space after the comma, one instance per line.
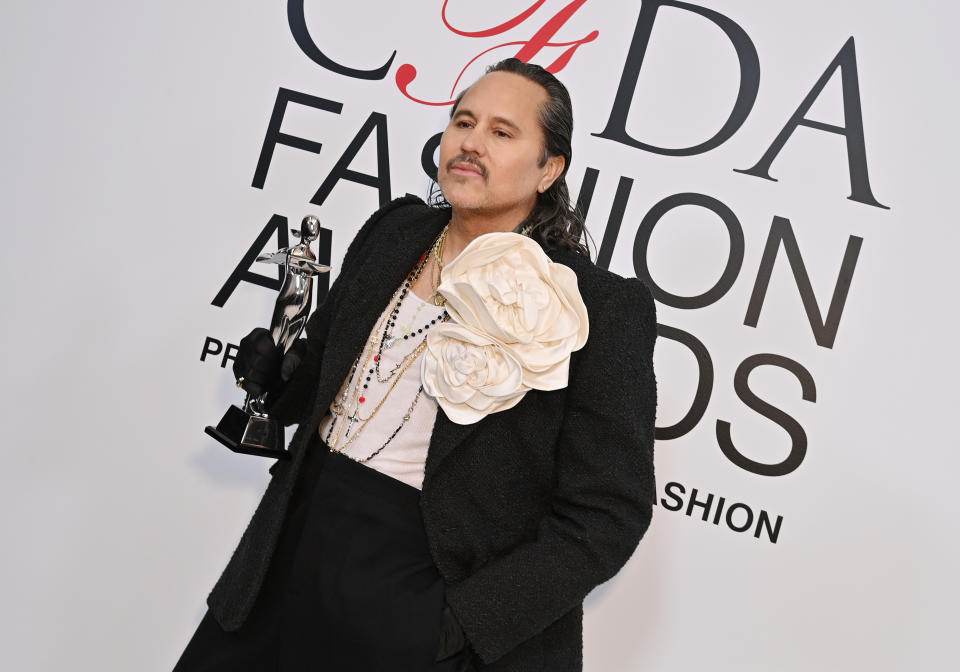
(552,170)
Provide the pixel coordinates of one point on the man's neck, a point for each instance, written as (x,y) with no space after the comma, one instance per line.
(464,227)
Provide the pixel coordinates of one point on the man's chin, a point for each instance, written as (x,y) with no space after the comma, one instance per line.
(469,205)
(462,199)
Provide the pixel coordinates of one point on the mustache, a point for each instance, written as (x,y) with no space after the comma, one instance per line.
(463,158)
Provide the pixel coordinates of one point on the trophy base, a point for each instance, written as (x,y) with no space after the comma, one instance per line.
(250,434)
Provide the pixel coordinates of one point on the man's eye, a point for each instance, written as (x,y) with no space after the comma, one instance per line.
(463,124)
(502,134)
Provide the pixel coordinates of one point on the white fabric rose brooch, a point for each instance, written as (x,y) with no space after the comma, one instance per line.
(516,317)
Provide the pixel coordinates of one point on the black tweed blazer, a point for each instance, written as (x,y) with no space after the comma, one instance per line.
(527,510)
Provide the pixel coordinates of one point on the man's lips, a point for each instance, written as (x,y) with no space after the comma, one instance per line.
(464,168)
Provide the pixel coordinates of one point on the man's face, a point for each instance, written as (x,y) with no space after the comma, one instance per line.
(490,150)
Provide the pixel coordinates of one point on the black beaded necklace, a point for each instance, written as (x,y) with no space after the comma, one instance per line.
(388,339)
(391,322)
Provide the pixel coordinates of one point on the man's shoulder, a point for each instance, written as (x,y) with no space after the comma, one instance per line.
(406,204)
(597,285)
(399,215)
(400,211)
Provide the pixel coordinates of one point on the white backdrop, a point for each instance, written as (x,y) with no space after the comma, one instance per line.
(131,133)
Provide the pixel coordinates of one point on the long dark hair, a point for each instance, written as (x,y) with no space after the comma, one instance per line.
(553,222)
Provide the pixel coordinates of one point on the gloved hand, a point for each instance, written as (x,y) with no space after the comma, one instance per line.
(262,366)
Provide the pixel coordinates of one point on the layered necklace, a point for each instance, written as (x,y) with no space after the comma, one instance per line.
(353,402)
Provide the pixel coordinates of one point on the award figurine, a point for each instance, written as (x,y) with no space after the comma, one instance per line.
(250,429)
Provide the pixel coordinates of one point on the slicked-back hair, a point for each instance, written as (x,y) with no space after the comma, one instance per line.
(552,222)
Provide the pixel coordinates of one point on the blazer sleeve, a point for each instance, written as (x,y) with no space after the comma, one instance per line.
(294,401)
(603,498)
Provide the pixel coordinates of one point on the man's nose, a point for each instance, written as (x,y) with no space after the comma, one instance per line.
(471,142)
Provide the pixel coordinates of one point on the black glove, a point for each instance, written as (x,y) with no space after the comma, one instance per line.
(452,638)
(261,364)
(295,355)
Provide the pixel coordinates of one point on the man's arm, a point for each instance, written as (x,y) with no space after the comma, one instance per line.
(602,502)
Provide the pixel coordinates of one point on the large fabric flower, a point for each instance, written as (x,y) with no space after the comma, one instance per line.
(510,304)
(469,374)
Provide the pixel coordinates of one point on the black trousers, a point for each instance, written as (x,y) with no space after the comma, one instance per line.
(351,587)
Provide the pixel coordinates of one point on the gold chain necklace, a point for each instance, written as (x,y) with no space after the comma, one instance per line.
(437,298)
(364,421)
(395,374)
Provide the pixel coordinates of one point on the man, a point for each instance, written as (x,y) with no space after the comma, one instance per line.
(520,508)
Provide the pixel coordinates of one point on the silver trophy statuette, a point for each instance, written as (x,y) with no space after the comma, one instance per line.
(250,429)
